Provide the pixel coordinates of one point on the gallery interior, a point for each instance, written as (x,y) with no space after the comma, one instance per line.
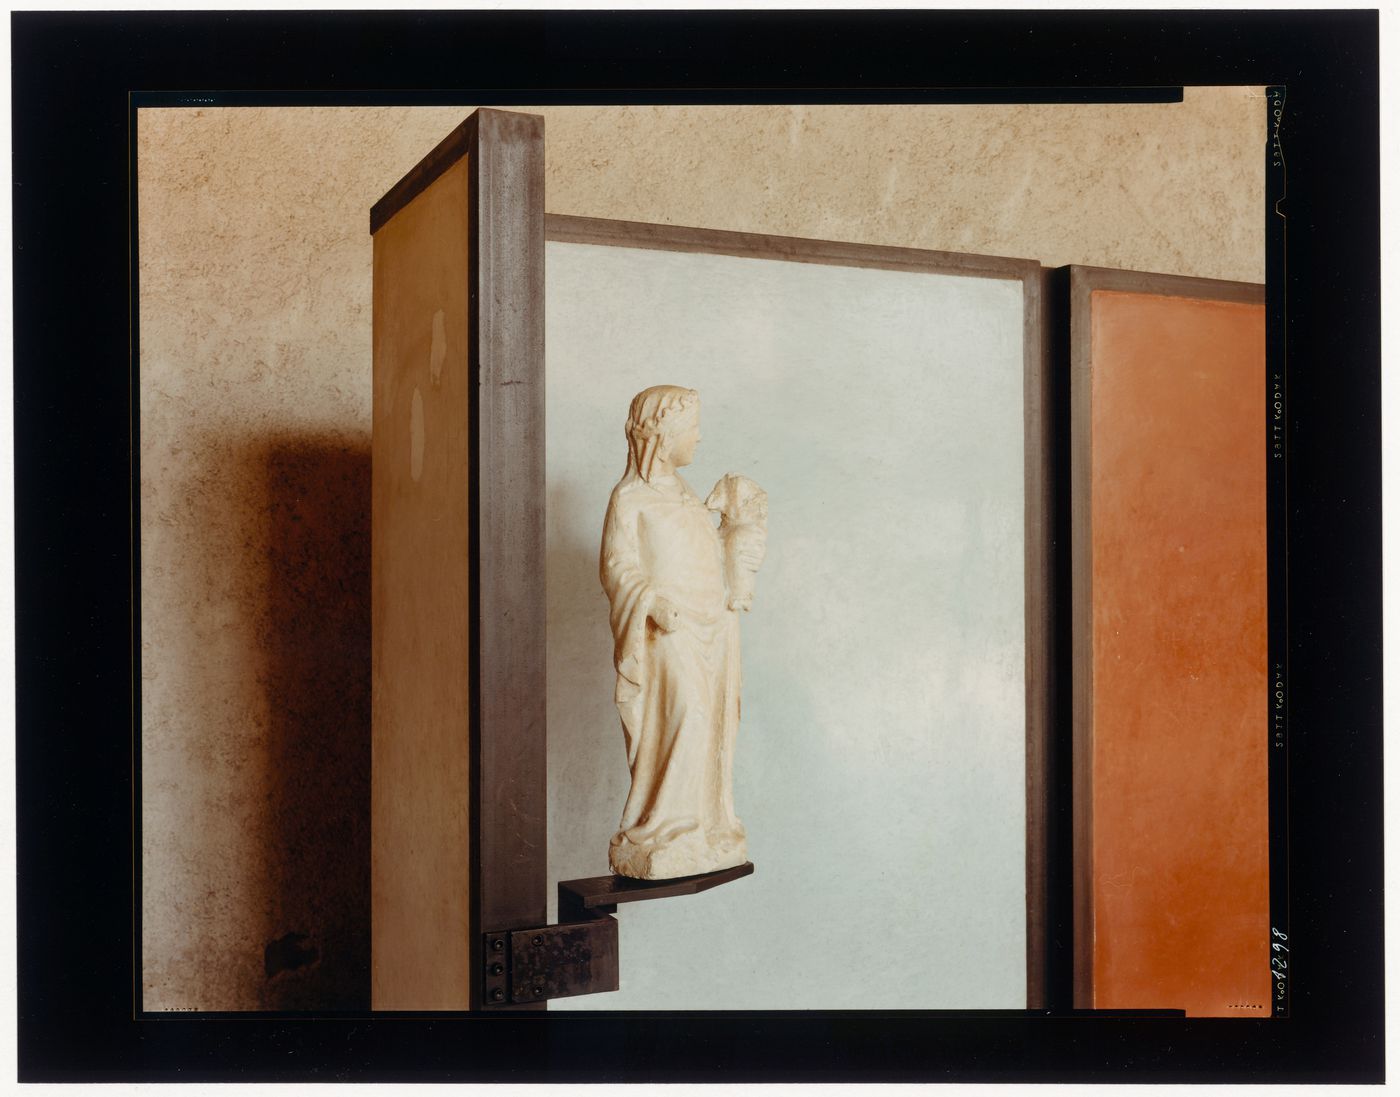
(1000,370)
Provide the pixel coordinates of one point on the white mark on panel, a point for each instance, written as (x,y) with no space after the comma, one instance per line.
(439,351)
(416,437)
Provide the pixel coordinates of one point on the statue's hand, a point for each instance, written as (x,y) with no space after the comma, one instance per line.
(750,556)
(666,616)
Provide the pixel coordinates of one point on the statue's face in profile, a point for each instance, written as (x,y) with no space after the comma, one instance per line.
(684,442)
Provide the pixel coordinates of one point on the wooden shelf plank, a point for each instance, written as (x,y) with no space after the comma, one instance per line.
(599,892)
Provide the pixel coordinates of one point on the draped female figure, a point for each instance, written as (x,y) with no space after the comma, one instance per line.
(676,652)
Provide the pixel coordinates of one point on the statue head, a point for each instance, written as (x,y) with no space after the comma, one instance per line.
(663,423)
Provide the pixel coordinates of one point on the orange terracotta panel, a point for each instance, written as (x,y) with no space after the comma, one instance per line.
(1179,768)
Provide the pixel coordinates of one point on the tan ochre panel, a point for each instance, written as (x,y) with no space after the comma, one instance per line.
(420,569)
(1180,795)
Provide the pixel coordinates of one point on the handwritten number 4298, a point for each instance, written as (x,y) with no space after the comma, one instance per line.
(1277,964)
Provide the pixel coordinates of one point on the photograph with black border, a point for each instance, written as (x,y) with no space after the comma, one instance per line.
(78,81)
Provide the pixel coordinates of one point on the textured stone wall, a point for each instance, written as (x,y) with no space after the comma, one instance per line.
(255,260)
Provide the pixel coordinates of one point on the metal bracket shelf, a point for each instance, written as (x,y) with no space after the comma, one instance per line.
(579,955)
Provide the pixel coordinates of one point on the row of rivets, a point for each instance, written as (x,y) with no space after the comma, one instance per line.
(498,944)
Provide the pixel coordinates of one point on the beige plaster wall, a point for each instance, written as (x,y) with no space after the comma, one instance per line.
(254,307)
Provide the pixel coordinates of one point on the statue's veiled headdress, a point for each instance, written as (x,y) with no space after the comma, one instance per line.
(655,417)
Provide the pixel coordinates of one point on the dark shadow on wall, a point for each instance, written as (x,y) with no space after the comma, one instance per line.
(317,678)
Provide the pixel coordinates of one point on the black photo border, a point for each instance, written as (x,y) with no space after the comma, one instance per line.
(75,469)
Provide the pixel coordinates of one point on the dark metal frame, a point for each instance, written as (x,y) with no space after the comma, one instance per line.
(1038,482)
(505,161)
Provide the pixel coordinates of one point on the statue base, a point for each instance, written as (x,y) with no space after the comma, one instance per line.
(687,854)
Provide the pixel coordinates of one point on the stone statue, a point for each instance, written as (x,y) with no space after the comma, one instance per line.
(675,584)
